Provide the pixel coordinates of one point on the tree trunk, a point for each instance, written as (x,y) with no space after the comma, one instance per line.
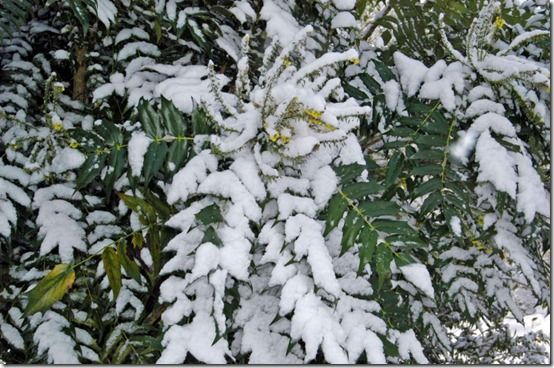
(80,76)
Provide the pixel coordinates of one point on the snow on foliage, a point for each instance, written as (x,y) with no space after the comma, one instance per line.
(286,111)
(274,181)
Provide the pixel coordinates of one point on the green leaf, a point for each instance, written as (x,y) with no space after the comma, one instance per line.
(139,206)
(112,266)
(431,203)
(359,190)
(428,155)
(80,11)
(404,259)
(371,84)
(209,215)
(91,168)
(383,258)
(153,160)
(427,187)
(431,140)
(368,240)
(393,227)
(200,122)
(162,209)
(177,154)
(173,118)
(389,348)
(347,173)
(149,119)
(335,210)
(210,236)
(426,170)
(116,161)
(401,132)
(384,72)
(130,267)
(394,168)
(379,208)
(352,225)
(354,92)
(50,289)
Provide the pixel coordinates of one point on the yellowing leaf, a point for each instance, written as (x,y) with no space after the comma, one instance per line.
(50,289)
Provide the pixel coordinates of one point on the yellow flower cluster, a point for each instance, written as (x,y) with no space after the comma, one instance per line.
(287,62)
(279,138)
(499,22)
(481,246)
(314,117)
(57,126)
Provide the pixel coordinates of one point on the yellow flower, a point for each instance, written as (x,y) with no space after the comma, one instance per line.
(481,220)
(74,144)
(479,245)
(274,137)
(285,139)
(403,183)
(355,61)
(57,126)
(286,62)
(499,22)
(58,87)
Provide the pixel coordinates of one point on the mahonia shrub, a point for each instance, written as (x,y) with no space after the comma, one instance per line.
(274,181)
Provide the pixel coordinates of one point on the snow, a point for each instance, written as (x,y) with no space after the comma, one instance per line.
(226,184)
(289,204)
(344,4)
(412,72)
(106,12)
(282,271)
(52,340)
(241,10)
(506,239)
(480,92)
(187,179)
(392,93)
(67,159)
(324,184)
(417,274)
(61,55)
(195,338)
(496,165)
(207,259)
(58,228)
(532,197)
(137,147)
(279,21)
(443,89)
(8,189)
(247,171)
(100,217)
(235,254)
(344,20)
(127,33)
(309,241)
(313,322)
(131,48)
(295,288)
(456,225)
(495,122)
(482,106)
(12,335)
(408,344)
